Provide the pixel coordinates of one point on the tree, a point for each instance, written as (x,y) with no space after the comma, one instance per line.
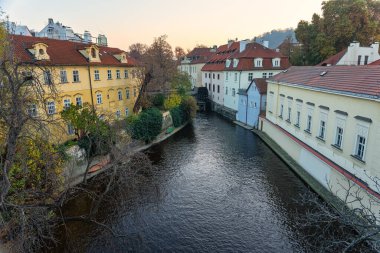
(158,68)
(179,53)
(181,83)
(350,225)
(342,22)
(137,50)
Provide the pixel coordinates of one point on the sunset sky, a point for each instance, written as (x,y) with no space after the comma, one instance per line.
(187,23)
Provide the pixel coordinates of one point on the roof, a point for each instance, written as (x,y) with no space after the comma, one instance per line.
(375,62)
(64,52)
(333,60)
(200,55)
(261,85)
(253,50)
(363,81)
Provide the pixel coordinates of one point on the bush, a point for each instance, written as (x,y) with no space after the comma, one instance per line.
(172,101)
(184,112)
(158,100)
(148,125)
(190,106)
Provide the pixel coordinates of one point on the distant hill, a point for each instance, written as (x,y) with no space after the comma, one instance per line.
(276,37)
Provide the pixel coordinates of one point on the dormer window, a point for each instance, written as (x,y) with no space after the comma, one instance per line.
(276,62)
(258,62)
(93,53)
(39,51)
(228,62)
(236,61)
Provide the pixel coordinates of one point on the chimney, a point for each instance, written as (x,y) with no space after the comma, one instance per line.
(214,48)
(355,44)
(230,43)
(375,47)
(243,45)
(87,37)
(102,40)
(50,20)
(266,43)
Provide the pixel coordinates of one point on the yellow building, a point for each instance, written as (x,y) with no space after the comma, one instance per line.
(103,77)
(327,119)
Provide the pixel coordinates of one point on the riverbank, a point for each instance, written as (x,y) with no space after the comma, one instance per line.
(104,163)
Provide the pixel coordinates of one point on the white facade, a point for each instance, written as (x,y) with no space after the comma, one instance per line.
(194,71)
(213,80)
(12,28)
(235,80)
(357,55)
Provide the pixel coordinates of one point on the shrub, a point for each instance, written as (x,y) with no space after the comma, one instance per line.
(148,125)
(172,101)
(158,100)
(190,106)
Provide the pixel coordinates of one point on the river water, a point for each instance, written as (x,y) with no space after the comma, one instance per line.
(215,187)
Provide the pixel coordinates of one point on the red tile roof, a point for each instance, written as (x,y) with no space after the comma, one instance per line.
(63,52)
(261,85)
(361,81)
(253,50)
(200,55)
(375,62)
(333,60)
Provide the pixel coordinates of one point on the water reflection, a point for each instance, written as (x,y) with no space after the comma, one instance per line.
(215,188)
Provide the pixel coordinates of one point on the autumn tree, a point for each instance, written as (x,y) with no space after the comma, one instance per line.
(342,22)
(137,50)
(179,54)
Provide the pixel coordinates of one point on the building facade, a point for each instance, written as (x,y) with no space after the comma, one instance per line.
(252,102)
(102,77)
(354,55)
(193,63)
(326,119)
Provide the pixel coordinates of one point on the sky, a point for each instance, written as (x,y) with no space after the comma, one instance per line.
(186,23)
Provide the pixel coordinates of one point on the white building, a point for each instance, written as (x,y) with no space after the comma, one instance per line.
(12,28)
(194,62)
(234,66)
(354,55)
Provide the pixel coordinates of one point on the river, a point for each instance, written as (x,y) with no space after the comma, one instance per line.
(215,187)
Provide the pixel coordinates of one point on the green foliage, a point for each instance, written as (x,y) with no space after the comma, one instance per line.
(190,107)
(178,115)
(342,22)
(181,83)
(172,101)
(158,100)
(148,125)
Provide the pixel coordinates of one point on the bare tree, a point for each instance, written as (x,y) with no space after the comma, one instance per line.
(348,224)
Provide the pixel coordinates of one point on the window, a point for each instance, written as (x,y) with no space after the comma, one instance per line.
(218,88)
(258,62)
(218,76)
(118,74)
(99,99)
(322,129)
(227,76)
(276,62)
(236,76)
(226,90)
(70,129)
(271,101)
(308,123)
(205,75)
(281,110)
(66,103)
(118,114)
(47,77)
(250,76)
(289,114)
(360,147)
(270,74)
(127,93)
(109,74)
(135,92)
(119,95)
(63,76)
(125,73)
(233,92)
(213,76)
(213,88)
(264,75)
(96,75)
(255,105)
(51,107)
(32,111)
(78,101)
(339,137)
(126,112)
(298,118)
(236,61)
(209,75)
(366,60)
(93,52)
(75,76)
(359,59)
(209,86)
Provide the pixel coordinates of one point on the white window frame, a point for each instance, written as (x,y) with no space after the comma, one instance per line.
(48,77)
(109,74)
(362,130)
(250,77)
(323,117)
(99,98)
(32,110)
(118,114)
(96,75)
(126,112)
(118,74)
(63,76)
(125,73)
(127,94)
(78,101)
(50,107)
(265,75)
(309,119)
(76,78)
(119,95)
(66,103)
